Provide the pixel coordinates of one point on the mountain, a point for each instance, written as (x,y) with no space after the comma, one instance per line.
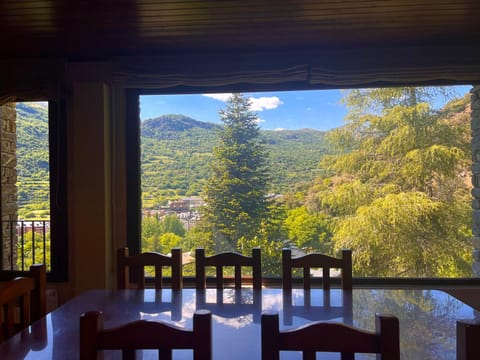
(32,160)
(176,152)
(173,123)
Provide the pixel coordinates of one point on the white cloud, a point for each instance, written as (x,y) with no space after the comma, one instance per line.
(221,97)
(256,104)
(265,103)
(279,129)
(259,121)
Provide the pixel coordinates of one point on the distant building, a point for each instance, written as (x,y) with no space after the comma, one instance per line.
(275,196)
(185,204)
(40,227)
(183,208)
(154,213)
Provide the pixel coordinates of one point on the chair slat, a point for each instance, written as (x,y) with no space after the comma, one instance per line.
(309,261)
(15,295)
(219,261)
(330,337)
(468,340)
(135,264)
(143,334)
(24,295)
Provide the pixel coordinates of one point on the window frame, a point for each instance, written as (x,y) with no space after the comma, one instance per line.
(133,160)
(57,140)
(57,161)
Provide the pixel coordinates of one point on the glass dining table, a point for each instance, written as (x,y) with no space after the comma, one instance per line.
(427,319)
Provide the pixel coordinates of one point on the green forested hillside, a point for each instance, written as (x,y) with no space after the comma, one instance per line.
(176,152)
(32,160)
(393,184)
(294,156)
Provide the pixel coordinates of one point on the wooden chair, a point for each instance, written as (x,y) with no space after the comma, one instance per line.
(320,261)
(331,337)
(15,294)
(137,263)
(143,334)
(30,341)
(27,293)
(219,261)
(468,340)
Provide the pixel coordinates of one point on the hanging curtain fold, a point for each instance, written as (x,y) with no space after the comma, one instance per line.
(161,73)
(344,78)
(318,70)
(393,67)
(249,71)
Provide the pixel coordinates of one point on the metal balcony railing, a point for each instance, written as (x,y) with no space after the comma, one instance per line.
(25,242)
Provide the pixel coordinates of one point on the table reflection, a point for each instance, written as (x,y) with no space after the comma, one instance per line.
(231,303)
(427,318)
(33,339)
(317,306)
(154,301)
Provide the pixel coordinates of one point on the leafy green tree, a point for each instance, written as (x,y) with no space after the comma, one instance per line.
(160,235)
(151,233)
(271,252)
(170,240)
(397,197)
(235,193)
(403,235)
(409,146)
(172,224)
(31,253)
(199,236)
(308,231)
(272,237)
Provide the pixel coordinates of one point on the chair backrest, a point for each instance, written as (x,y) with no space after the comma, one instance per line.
(468,340)
(331,337)
(143,334)
(219,261)
(317,261)
(38,295)
(136,264)
(15,294)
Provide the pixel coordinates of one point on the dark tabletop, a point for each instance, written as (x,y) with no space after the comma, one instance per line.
(427,318)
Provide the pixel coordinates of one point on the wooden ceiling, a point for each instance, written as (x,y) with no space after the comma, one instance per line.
(84,29)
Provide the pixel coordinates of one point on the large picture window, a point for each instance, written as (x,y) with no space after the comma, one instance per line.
(384,172)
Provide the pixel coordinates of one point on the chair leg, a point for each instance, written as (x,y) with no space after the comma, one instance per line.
(165,354)
(348,356)
(129,355)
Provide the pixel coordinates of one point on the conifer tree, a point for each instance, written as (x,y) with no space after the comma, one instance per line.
(236,192)
(397,197)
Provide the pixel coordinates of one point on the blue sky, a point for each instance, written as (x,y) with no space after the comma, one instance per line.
(319,109)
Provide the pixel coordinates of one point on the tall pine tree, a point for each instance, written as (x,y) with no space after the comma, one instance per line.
(236,191)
